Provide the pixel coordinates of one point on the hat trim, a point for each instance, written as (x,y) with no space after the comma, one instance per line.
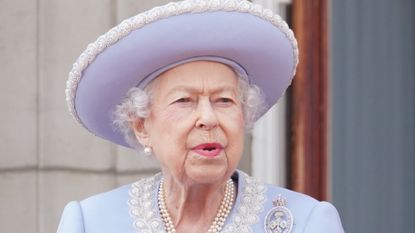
(237,68)
(172,9)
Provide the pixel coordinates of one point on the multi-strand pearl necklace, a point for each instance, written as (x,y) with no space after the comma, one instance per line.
(220,218)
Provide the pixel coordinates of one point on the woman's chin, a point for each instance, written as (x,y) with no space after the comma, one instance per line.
(207,174)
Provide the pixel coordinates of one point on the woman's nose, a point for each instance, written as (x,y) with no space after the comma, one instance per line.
(207,118)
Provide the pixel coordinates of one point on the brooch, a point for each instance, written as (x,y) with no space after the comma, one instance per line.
(279,219)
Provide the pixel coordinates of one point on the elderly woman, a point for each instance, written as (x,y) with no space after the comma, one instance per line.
(183,82)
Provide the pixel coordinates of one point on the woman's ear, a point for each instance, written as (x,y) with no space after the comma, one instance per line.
(140,132)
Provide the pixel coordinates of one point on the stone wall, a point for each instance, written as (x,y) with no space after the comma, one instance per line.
(46,158)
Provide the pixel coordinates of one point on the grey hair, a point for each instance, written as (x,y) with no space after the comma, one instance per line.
(136,106)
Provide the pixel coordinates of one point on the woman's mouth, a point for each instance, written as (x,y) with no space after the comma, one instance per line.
(208,149)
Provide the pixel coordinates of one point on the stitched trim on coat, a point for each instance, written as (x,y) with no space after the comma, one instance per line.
(143,205)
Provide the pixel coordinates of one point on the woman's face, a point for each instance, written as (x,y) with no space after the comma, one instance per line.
(196,125)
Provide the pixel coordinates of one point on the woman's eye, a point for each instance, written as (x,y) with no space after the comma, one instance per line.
(225,100)
(183,100)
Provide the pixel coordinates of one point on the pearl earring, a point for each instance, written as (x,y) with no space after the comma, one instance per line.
(147,150)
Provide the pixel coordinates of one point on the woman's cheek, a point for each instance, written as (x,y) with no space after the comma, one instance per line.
(240,117)
(234,116)
(176,113)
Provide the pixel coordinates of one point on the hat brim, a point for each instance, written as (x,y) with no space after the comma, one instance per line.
(264,51)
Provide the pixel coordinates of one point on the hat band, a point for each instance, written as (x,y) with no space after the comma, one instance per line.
(238,69)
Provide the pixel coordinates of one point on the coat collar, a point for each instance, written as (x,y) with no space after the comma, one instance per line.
(245,213)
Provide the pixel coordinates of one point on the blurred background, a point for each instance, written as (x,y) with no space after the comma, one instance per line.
(361,52)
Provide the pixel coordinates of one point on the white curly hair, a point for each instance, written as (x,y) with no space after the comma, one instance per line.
(136,106)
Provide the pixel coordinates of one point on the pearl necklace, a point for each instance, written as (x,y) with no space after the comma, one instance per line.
(221,215)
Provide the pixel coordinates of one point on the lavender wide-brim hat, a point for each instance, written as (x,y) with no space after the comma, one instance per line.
(252,40)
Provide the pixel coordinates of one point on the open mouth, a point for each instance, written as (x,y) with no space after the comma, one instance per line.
(208,149)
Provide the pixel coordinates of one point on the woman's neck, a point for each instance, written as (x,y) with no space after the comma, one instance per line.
(193,206)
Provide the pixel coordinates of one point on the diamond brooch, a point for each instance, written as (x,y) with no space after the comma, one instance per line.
(279,219)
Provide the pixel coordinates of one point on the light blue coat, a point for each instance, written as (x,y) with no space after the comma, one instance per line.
(133,208)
